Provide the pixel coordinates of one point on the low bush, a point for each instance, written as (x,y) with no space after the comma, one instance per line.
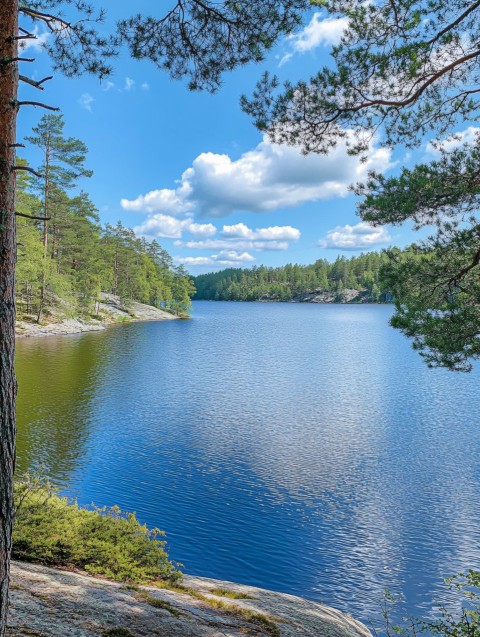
(55,531)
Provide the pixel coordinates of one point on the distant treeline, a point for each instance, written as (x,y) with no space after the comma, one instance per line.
(66,258)
(291,282)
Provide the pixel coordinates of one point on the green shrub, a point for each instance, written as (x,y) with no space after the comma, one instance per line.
(56,532)
(462,619)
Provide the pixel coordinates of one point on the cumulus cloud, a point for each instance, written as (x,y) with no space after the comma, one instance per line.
(161,225)
(470,135)
(319,31)
(202,229)
(241,231)
(233,255)
(194,261)
(224,259)
(145,86)
(219,244)
(264,179)
(86,101)
(129,84)
(357,237)
(171,202)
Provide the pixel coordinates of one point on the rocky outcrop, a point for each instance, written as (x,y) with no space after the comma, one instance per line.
(111,310)
(51,603)
(347,295)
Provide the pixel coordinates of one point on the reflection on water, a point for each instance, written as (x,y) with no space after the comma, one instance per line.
(300,448)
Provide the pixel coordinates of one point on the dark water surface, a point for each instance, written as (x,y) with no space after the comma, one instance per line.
(303,448)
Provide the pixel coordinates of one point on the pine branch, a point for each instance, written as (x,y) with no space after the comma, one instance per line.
(48,18)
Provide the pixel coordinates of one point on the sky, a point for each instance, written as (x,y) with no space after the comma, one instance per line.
(190,169)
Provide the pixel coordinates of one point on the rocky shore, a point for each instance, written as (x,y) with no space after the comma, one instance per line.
(112,311)
(50,603)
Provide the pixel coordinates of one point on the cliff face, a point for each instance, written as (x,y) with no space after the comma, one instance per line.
(347,295)
(50,603)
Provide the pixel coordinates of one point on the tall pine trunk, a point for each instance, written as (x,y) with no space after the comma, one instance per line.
(8,386)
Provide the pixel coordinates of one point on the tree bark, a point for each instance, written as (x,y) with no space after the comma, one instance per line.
(8,385)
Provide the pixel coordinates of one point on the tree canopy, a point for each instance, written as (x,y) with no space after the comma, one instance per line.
(403,69)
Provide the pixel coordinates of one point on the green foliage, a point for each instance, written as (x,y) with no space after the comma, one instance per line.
(291,281)
(224,592)
(409,66)
(102,541)
(436,282)
(200,39)
(461,622)
(158,602)
(405,68)
(66,262)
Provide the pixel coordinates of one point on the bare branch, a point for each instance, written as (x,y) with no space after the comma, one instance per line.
(36,218)
(29,170)
(17,145)
(40,104)
(28,36)
(34,83)
(11,60)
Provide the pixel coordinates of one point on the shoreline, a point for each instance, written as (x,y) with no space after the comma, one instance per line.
(112,310)
(85,606)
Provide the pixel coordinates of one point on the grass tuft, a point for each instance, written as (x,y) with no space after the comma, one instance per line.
(224,592)
(157,602)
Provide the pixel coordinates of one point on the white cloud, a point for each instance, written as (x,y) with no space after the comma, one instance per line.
(241,231)
(285,59)
(86,101)
(226,244)
(202,229)
(233,255)
(145,86)
(36,44)
(224,259)
(319,31)
(264,179)
(129,84)
(168,201)
(470,135)
(107,85)
(357,237)
(195,261)
(161,225)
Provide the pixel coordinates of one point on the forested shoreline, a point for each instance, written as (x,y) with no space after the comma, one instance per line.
(66,258)
(320,282)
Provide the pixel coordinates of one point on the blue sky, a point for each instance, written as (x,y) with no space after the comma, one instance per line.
(191,170)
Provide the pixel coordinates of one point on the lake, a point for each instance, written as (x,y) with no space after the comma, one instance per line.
(302,448)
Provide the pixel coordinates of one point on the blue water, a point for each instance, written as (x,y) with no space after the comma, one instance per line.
(303,448)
